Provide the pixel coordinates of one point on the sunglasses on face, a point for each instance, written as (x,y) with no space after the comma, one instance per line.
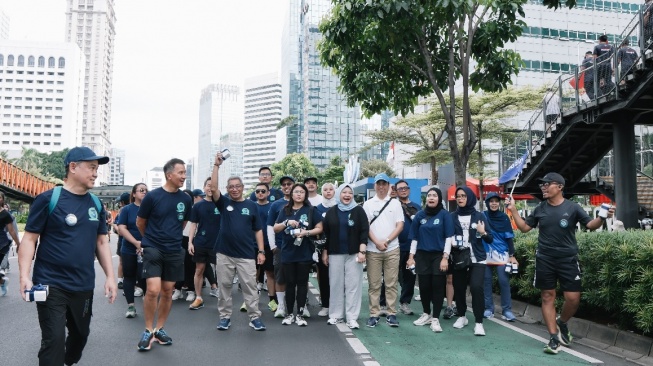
(401,189)
(261,191)
(286,184)
(142,190)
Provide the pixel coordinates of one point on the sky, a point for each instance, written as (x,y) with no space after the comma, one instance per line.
(166,52)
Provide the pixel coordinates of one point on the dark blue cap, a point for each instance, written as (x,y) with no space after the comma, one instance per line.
(83,153)
(125,197)
(198,192)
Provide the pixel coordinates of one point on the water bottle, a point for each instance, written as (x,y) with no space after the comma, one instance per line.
(515,268)
(139,258)
(508,268)
(412,269)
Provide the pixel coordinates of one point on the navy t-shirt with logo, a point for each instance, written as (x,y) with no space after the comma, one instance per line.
(127,217)
(67,240)
(291,253)
(275,208)
(263,211)
(165,213)
(275,195)
(240,222)
(207,218)
(431,232)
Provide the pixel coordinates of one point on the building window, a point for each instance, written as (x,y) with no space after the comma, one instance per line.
(30,61)
(62,62)
(10,60)
(41,61)
(51,62)
(2,59)
(21,60)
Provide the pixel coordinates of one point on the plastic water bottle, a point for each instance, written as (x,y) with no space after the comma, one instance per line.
(139,258)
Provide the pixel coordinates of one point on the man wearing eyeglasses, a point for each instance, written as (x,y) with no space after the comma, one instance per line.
(406,276)
(274,240)
(265,176)
(262,192)
(240,247)
(556,258)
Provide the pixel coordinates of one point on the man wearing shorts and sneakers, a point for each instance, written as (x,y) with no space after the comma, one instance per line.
(556,258)
(275,240)
(204,230)
(161,220)
(239,249)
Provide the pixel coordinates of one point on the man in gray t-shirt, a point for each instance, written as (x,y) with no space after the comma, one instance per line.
(556,258)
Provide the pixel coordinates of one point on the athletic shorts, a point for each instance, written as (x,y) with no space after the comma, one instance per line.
(204,255)
(278,268)
(268,265)
(167,265)
(119,246)
(551,270)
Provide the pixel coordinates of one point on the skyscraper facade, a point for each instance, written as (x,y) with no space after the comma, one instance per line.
(324,127)
(262,115)
(40,85)
(221,112)
(233,166)
(117,167)
(91,25)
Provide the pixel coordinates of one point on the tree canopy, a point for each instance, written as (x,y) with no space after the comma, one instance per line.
(388,53)
(296,165)
(48,166)
(370,168)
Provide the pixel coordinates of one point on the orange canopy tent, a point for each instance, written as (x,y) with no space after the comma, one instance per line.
(489,185)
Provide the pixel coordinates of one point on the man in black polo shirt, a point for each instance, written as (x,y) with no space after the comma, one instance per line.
(626,58)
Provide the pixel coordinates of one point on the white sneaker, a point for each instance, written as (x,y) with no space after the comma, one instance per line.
(479,330)
(288,320)
(460,322)
(423,319)
(235,281)
(138,292)
(190,296)
(300,321)
(323,312)
(176,295)
(405,308)
(214,292)
(418,298)
(333,321)
(435,325)
(280,313)
(306,313)
(259,287)
(352,324)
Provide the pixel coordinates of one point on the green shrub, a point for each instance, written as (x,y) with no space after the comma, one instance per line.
(617,276)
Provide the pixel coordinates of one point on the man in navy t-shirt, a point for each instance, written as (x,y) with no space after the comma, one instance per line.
(72,231)
(262,192)
(275,240)
(407,277)
(265,176)
(240,247)
(161,220)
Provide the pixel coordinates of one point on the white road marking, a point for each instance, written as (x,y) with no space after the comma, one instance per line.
(357,345)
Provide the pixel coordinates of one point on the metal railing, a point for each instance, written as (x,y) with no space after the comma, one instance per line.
(568,93)
(19,180)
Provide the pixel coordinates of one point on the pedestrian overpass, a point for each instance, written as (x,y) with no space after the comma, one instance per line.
(588,129)
(19,184)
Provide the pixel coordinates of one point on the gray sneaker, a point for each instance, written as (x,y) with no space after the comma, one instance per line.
(405,309)
(448,312)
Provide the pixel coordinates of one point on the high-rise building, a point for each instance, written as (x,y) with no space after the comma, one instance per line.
(262,115)
(117,167)
(41,86)
(4,24)
(221,112)
(190,168)
(154,178)
(324,127)
(233,166)
(91,25)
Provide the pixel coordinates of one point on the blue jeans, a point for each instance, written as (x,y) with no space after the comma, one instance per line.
(504,286)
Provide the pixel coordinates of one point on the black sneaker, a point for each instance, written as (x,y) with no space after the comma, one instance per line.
(553,346)
(564,335)
(162,337)
(120,286)
(146,341)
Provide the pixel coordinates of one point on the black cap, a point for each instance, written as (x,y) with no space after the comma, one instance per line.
(125,197)
(198,193)
(553,177)
(310,178)
(286,177)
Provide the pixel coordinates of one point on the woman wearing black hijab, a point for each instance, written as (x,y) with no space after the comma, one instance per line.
(470,232)
(431,235)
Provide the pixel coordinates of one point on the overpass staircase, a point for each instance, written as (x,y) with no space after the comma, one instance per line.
(19,184)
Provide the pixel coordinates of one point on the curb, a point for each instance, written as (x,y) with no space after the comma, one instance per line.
(625,344)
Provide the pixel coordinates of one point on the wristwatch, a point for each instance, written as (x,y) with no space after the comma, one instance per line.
(363,252)
(261,252)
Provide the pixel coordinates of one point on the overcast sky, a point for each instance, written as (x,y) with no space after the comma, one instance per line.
(166,52)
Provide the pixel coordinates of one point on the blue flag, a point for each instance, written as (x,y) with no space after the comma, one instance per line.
(514,170)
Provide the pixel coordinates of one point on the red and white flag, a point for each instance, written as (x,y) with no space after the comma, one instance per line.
(391,153)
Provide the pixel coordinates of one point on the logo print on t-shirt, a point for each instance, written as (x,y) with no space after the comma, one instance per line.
(216,211)
(272,198)
(563,223)
(181,207)
(422,221)
(303,217)
(92,214)
(436,222)
(245,211)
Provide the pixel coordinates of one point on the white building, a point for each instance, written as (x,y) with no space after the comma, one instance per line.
(91,25)
(41,89)
(233,166)
(154,178)
(117,167)
(221,112)
(262,114)
(4,25)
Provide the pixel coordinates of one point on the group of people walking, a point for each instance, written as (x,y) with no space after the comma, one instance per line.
(279,235)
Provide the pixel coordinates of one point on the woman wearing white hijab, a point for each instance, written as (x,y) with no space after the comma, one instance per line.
(346,228)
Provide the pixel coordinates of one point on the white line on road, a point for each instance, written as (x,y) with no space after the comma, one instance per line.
(357,345)
(536,337)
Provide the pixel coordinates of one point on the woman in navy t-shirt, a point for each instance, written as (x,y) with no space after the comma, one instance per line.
(328,201)
(296,249)
(131,246)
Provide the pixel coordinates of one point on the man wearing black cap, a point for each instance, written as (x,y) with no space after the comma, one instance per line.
(314,198)
(603,56)
(70,225)
(556,259)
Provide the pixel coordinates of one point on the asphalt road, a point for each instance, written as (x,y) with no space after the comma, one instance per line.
(113,338)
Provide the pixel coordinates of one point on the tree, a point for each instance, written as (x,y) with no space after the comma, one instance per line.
(30,161)
(4,155)
(370,168)
(334,172)
(389,53)
(295,165)
(52,164)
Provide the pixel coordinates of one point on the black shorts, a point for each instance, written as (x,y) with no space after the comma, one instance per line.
(550,270)
(268,265)
(119,246)
(278,268)
(204,255)
(167,265)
